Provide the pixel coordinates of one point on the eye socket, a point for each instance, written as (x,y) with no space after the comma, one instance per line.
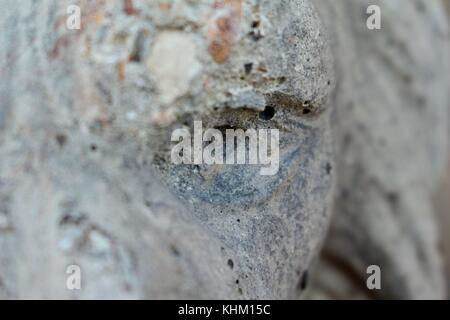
(268,113)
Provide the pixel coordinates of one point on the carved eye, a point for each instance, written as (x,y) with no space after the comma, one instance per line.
(242,183)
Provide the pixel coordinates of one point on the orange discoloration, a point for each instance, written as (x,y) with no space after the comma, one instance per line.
(121,70)
(98,18)
(92,13)
(165,7)
(222,28)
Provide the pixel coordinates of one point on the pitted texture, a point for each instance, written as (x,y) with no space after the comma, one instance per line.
(86,117)
(85,123)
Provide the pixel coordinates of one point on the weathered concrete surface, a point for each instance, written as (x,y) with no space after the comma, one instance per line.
(85,123)
(392,116)
(86,118)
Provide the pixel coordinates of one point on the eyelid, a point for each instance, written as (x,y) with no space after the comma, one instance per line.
(249,99)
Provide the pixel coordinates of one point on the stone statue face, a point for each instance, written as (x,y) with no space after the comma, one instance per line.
(88,178)
(247,66)
(221,231)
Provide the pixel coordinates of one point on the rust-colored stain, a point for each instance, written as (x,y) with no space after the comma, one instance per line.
(98,18)
(128,8)
(121,71)
(165,6)
(222,28)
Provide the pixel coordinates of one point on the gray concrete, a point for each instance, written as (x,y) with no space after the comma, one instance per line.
(85,124)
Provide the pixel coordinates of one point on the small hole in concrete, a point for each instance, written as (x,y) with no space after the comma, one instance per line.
(61,139)
(282,80)
(175,250)
(268,113)
(248,68)
(255,24)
